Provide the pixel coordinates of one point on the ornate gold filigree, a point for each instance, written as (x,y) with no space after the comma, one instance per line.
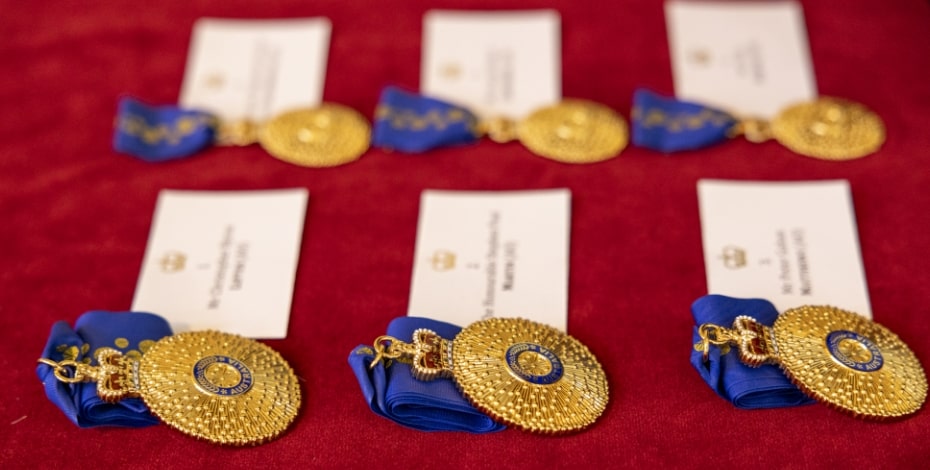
(837,357)
(574,131)
(215,386)
(324,136)
(519,372)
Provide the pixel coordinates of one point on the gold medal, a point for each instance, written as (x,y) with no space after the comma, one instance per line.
(827,129)
(571,131)
(214,386)
(837,357)
(326,136)
(519,372)
(574,131)
(321,137)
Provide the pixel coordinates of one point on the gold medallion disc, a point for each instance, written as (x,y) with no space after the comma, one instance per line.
(849,362)
(219,387)
(529,375)
(328,135)
(829,129)
(574,131)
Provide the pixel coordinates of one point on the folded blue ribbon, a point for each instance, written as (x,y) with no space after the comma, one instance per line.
(746,387)
(161,133)
(393,392)
(671,125)
(128,332)
(412,123)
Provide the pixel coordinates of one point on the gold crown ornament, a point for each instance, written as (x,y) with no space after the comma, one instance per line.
(215,386)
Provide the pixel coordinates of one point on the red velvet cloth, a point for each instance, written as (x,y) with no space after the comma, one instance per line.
(76,216)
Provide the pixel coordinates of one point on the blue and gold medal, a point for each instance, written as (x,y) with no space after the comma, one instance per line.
(324,136)
(827,128)
(570,131)
(215,386)
(328,135)
(518,372)
(836,357)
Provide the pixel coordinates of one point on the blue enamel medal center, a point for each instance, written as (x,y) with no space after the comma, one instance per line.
(222,375)
(534,363)
(854,351)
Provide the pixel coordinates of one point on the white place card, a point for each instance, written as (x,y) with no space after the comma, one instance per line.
(502,63)
(492,254)
(223,260)
(255,69)
(792,243)
(751,59)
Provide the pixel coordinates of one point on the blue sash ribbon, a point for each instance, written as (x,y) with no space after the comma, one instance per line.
(746,387)
(161,133)
(129,332)
(393,392)
(412,123)
(670,125)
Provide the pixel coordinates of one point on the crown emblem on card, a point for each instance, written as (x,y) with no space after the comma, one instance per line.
(699,57)
(451,71)
(215,81)
(172,262)
(733,257)
(442,260)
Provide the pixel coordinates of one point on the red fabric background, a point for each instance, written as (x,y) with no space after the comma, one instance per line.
(75,218)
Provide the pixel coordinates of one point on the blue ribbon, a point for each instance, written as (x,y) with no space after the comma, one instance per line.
(161,133)
(746,387)
(393,392)
(670,125)
(124,331)
(412,123)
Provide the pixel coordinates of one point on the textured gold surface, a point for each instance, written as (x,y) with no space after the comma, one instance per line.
(897,388)
(240,133)
(829,129)
(481,370)
(244,415)
(329,135)
(574,131)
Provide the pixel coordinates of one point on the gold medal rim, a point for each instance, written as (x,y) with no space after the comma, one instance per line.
(349,131)
(166,377)
(538,132)
(788,128)
(478,358)
(803,355)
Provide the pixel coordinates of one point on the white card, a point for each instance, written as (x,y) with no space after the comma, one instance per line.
(792,243)
(223,260)
(503,63)
(748,58)
(255,69)
(492,254)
